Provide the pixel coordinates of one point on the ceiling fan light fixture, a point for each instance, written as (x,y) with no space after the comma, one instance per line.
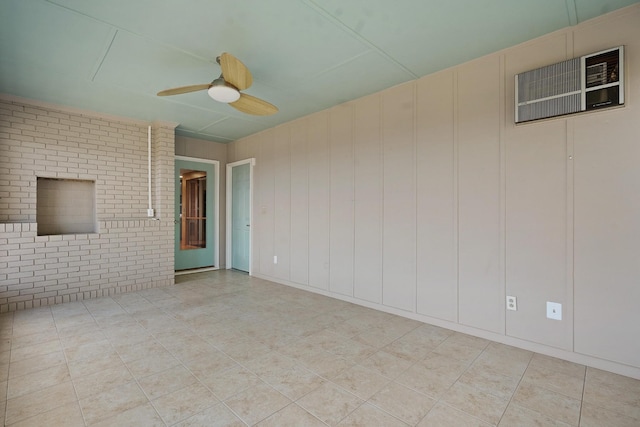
(221,91)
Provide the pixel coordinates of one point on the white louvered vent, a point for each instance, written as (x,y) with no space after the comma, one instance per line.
(579,84)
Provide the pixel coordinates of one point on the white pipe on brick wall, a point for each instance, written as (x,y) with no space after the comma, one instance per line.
(150,212)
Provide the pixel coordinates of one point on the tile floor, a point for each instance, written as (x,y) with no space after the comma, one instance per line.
(224,349)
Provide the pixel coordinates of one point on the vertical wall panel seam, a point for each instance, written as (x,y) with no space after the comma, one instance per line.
(456,189)
(502,111)
(352,113)
(415,194)
(382,177)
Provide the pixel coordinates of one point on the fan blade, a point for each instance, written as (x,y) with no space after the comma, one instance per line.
(235,72)
(184,89)
(252,105)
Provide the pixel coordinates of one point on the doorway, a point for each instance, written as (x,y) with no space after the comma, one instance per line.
(196,214)
(239,217)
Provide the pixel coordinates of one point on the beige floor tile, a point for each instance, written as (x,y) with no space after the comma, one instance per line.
(287,344)
(621,396)
(67,415)
(361,381)
(231,381)
(403,403)
(458,350)
(330,403)
(555,405)
(270,363)
(148,347)
(257,403)
(152,364)
(101,381)
(91,335)
(325,364)
(19,341)
(433,376)
(444,416)
(352,350)
(83,328)
(184,403)
(516,415)
(490,382)
(47,347)
(555,381)
(482,405)
(369,415)
(94,364)
(18,386)
(165,382)
(294,382)
(44,400)
(291,416)
(596,416)
(426,381)
(4,371)
(143,415)
(112,402)
(86,351)
(215,416)
(558,365)
(410,347)
(501,364)
(244,351)
(375,339)
(213,362)
(5,357)
(35,364)
(386,364)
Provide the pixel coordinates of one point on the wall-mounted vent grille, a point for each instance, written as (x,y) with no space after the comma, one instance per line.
(549,91)
(579,84)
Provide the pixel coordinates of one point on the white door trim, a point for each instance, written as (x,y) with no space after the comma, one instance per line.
(216,204)
(230,166)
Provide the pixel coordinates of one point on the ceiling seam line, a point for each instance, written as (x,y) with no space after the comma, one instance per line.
(313,5)
(145,37)
(572,11)
(105,52)
(353,58)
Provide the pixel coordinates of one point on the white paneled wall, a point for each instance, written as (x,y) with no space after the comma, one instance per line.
(318,152)
(399,198)
(299,204)
(436,190)
(282,202)
(367,151)
(427,201)
(341,200)
(480,284)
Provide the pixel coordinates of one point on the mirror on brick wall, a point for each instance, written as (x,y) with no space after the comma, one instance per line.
(65,206)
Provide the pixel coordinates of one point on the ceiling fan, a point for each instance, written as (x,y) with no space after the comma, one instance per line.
(226,88)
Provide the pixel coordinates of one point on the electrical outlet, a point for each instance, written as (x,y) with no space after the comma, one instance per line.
(512,303)
(554,310)
(275,259)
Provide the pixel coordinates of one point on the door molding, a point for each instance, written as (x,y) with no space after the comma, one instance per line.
(229,199)
(216,209)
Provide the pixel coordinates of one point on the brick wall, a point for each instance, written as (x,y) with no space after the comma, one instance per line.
(129,251)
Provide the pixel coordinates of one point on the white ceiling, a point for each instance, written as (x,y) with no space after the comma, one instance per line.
(113,56)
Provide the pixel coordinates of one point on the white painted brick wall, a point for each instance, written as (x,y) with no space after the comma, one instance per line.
(129,252)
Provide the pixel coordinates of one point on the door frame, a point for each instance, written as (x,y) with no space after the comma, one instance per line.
(229,201)
(216,210)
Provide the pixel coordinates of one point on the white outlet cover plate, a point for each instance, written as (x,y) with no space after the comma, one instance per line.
(554,310)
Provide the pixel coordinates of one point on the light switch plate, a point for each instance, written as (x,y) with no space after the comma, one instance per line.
(554,310)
